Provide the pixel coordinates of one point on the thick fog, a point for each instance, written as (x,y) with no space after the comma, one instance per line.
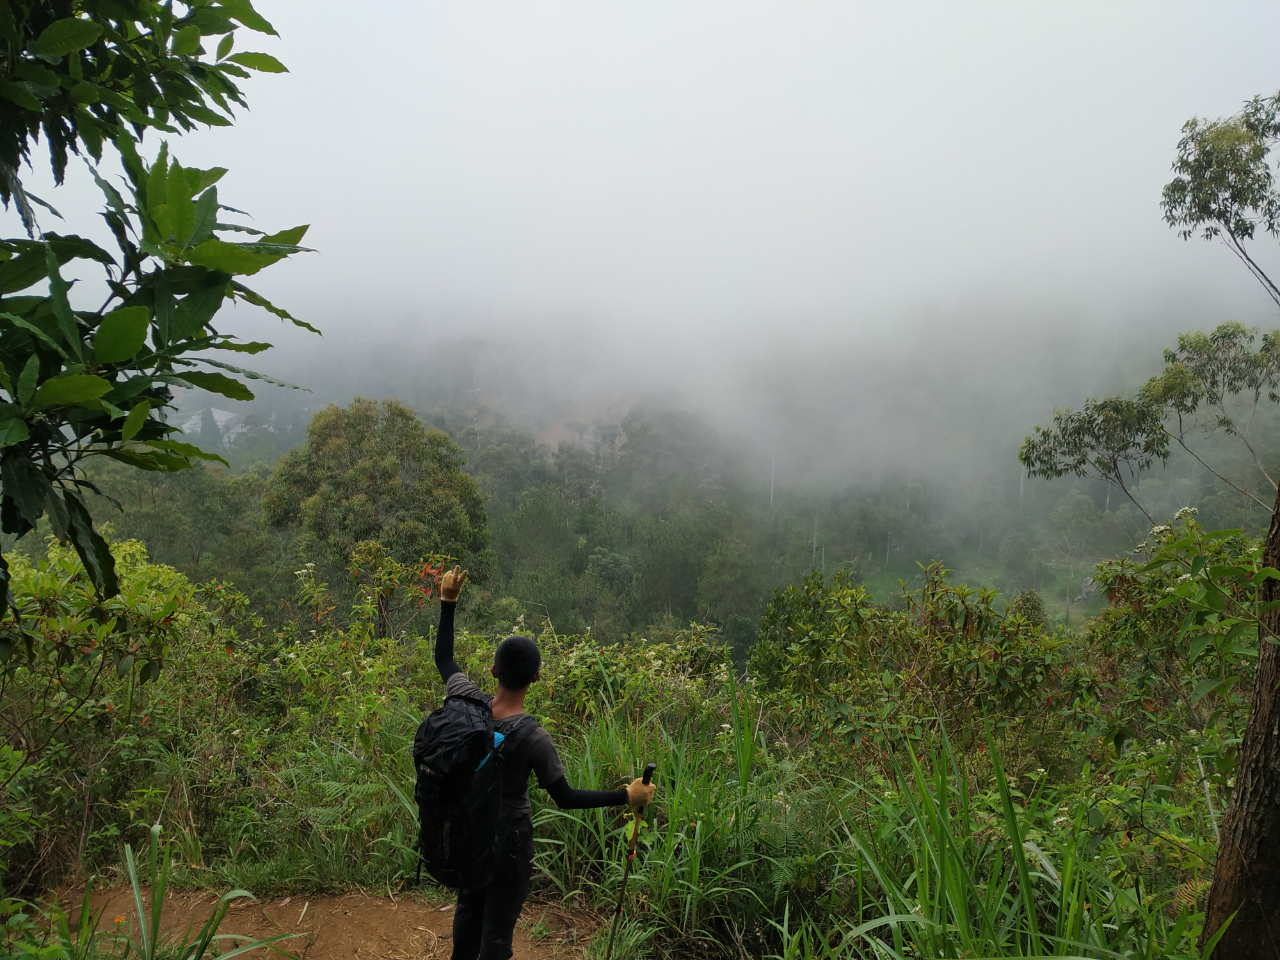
(855,232)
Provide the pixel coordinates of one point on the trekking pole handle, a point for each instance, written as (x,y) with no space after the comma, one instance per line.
(648,773)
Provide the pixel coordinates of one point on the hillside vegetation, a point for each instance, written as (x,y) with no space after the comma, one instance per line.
(927,777)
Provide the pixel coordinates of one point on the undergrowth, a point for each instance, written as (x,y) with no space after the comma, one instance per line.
(279,762)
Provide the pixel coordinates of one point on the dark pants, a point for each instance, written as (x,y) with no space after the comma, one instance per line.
(484,921)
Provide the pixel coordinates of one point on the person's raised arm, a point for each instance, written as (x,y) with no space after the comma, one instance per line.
(450,589)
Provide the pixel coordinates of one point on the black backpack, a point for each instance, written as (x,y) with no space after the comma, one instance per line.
(459,759)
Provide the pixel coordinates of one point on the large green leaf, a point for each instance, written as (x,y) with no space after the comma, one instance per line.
(258,300)
(61,307)
(243,11)
(94,552)
(134,421)
(230,258)
(182,212)
(195,310)
(22,271)
(13,430)
(1204,688)
(16,93)
(262,62)
(217,383)
(121,335)
(36,332)
(28,379)
(253,346)
(274,250)
(186,450)
(67,391)
(251,374)
(186,41)
(39,77)
(66,36)
(206,211)
(26,485)
(128,389)
(156,461)
(293,235)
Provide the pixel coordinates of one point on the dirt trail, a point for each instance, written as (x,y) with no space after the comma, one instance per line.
(353,926)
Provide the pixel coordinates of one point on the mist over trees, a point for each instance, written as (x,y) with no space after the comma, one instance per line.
(931,663)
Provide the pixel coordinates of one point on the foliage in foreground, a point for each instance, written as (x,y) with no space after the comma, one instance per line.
(59,937)
(81,384)
(278,761)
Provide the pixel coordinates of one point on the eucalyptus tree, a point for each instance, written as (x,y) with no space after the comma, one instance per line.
(1213,383)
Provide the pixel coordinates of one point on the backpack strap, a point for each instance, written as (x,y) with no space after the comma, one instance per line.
(525,726)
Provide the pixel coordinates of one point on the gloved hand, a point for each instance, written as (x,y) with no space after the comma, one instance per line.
(451,584)
(639,793)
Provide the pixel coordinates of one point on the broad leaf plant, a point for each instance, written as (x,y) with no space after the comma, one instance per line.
(87,75)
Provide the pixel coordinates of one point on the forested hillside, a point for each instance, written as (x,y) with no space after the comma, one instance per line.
(941,646)
(635,528)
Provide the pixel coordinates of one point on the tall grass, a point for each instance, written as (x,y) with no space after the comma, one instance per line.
(749,850)
(755,854)
(148,941)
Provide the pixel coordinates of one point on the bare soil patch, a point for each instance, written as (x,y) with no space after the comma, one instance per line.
(351,926)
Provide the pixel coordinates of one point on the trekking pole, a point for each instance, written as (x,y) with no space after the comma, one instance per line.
(626,870)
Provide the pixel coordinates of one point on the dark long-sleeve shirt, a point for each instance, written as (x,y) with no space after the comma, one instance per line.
(535,753)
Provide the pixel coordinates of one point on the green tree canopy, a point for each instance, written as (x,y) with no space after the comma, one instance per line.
(373,471)
(1225,186)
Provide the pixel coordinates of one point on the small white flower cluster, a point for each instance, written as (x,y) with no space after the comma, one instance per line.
(1161,531)
(1186,513)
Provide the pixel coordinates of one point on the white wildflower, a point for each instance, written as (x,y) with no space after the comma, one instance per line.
(1186,513)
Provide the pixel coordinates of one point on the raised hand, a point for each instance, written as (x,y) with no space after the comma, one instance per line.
(451,584)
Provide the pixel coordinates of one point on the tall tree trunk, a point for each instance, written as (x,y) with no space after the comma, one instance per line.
(1246,880)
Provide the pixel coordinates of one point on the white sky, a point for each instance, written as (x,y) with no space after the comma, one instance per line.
(715,175)
(711,163)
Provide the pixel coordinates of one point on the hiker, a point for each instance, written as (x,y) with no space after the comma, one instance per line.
(484,920)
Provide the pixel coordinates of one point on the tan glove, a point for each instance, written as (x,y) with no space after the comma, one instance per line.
(451,584)
(639,793)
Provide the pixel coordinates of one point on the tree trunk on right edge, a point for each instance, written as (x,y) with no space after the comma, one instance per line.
(1246,879)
